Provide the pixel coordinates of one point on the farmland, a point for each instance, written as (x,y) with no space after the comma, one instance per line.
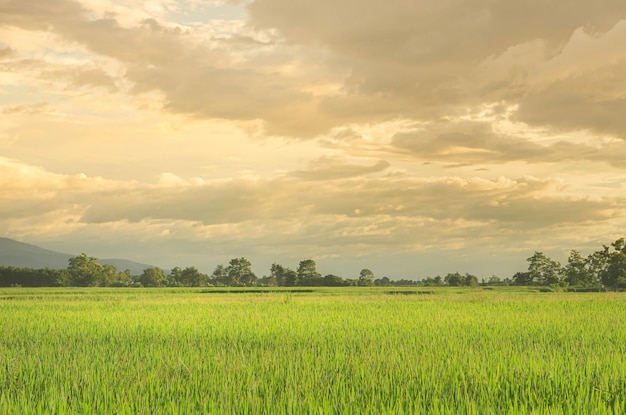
(348,350)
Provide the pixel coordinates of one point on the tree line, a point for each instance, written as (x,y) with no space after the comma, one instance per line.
(85,271)
(605,268)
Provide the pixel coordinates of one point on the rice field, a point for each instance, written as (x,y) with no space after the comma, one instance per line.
(343,351)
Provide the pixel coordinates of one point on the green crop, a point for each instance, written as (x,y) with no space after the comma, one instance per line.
(109,351)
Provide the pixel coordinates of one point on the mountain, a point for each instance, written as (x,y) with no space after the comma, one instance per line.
(136,268)
(19,254)
(22,255)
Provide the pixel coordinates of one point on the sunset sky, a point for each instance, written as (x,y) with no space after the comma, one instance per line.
(411,137)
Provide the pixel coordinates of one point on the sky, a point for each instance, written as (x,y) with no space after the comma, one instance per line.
(410,137)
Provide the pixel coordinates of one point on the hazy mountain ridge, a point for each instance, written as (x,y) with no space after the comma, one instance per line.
(19,254)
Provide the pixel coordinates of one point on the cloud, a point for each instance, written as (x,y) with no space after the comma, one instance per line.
(92,77)
(477,142)
(292,216)
(305,67)
(331,169)
(525,202)
(36,108)
(295,197)
(195,79)
(578,89)
(415,59)
(48,78)
(5,52)
(566,108)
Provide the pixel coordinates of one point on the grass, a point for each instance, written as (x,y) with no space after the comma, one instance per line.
(330,351)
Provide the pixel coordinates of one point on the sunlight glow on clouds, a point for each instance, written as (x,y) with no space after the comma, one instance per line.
(420,136)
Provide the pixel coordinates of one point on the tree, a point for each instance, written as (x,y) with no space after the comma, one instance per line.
(153,277)
(522,278)
(85,271)
(454,280)
(577,272)
(366,278)
(266,281)
(494,280)
(619,245)
(174,278)
(307,274)
(598,264)
(220,275)
(191,277)
(382,282)
(240,273)
(543,270)
(122,279)
(331,280)
(614,275)
(289,277)
(109,276)
(278,272)
(28,277)
(470,280)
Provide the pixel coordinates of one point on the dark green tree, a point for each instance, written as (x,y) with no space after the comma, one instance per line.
(454,280)
(494,280)
(219,276)
(366,278)
(191,277)
(85,271)
(307,274)
(577,271)
(28,277)
(174,278)
(109,276)
(522,278)
(266,281)
(470,280)
(382,282)
(121,279)
(615,274)
(598,264)
(240,273)
(277,273)
(429,281)
(153,277)
(543,270)
(331,280)
(289,277)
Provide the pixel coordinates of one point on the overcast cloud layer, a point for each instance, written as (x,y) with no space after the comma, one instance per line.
(414,138)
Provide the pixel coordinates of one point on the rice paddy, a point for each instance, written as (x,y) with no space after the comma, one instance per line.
(342,351)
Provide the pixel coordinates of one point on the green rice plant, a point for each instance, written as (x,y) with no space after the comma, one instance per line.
(330,351)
